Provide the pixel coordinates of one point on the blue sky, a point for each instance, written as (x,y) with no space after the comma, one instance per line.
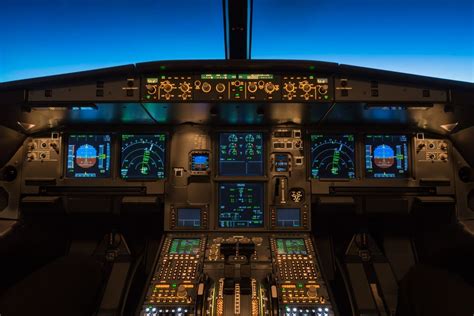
(433,38)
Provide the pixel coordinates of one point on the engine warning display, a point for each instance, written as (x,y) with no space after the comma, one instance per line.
(88,156)
(241,154)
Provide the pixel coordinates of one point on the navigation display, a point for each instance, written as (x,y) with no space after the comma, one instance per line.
(291,246)
(288,217)
(332,156)
(241,154)
(184,246)
(241,205)
(386,156)
(143,156)
(88,156)
(189,217)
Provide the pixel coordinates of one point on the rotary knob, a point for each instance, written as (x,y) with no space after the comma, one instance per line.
(220,87)
(312,292)
(322,90)
(181,292)
(206,87)
(269,87)
(443,146)
(289,87)
(306,87)
(252,87)
(167,87)
(443,157)
(184,87)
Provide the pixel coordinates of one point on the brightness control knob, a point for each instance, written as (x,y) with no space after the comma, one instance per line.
(167,87)
(289,87)
(269,87)
(206,87)
(184,87)
(181,292)
(220,87)
(306,87)
(252,87)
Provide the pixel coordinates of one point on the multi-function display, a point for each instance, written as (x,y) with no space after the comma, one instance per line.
(241,154)
(241,205)
(184,246)
(88,156)
(189,217)
(295,246)
(288,217)
(386,156)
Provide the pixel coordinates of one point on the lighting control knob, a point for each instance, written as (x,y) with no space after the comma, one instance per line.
(220,87)
(181,292)
(443,146)
(269,87)
(306,87)
(289,87)
(312,292)
(322,90)
(421,146)
(206,87)
(252,87)
(184,87)
(443,157)
(167,87)
(151,89)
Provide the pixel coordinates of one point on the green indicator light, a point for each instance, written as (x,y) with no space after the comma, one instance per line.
(312,67)
(311,77)
(300,285)
(326,97)
(163,77)
(173,285)
(283,290)
(237,94)
(162,67)
(152,80)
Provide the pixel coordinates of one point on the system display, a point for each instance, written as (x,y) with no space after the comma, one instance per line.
(88,156)
(189,217)
(241,205)
(143,156)
(288,217)
(332,156)
(199,161)
(386,156)
(184,246)
(241,154)
(291,246)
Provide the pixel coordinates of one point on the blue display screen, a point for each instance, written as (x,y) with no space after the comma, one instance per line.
(88,156)
(143,156)
(241,205)
(386,156)
(199,161)
(288,217)
(189,217)
(241,154)
(332,156)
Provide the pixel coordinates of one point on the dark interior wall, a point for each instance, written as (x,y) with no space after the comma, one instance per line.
(10,141)
(464,140)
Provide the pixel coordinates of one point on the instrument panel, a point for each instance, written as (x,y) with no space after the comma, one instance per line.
(255,179)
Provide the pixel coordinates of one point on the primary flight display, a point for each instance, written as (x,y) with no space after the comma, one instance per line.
(88,156)
(386,156)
